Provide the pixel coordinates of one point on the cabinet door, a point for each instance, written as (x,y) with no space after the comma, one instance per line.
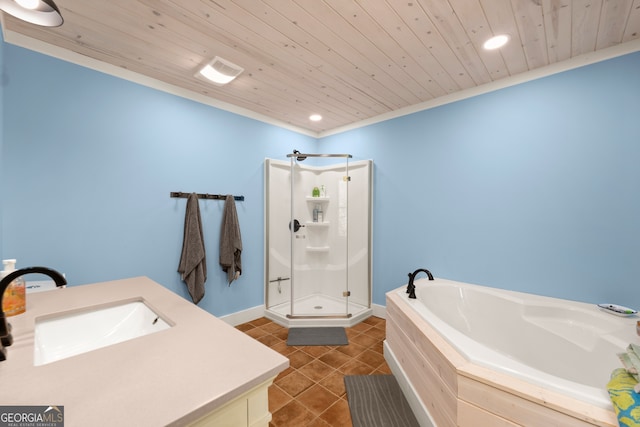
(234,414)
(248,410)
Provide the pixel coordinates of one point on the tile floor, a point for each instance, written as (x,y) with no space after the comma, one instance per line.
(311,391)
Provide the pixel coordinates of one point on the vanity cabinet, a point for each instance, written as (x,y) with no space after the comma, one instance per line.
(248,410)
(179,376)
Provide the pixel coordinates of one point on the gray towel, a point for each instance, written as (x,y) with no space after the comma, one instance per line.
(230,241)
(193,264)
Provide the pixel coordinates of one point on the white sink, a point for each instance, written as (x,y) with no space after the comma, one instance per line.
(68,334)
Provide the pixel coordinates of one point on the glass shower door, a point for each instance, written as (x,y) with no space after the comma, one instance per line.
(277,237)
(318,231)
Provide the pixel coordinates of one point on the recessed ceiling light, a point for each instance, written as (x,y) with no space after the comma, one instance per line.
(315,117)
(39,12)
(219,71)
(496,42)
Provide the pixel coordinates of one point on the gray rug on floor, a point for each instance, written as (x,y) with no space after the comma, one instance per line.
(317,336)
(377,401)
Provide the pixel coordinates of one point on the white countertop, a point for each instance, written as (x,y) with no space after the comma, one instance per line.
(169,377)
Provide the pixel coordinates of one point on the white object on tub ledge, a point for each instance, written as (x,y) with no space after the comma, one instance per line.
(618,310)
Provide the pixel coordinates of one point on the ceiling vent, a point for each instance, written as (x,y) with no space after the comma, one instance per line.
(219,71)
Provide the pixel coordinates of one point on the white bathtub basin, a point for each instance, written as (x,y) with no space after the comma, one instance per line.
(566,346)
(68,334)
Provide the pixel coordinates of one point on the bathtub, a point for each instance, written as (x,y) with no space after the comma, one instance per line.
(465,353)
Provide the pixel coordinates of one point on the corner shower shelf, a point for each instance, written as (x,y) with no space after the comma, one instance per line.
(318,248)
(317,199)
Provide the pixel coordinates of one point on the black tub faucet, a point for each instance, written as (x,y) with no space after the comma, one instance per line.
(411,288)
(5,328)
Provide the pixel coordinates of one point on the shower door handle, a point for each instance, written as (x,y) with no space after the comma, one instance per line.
(296,225)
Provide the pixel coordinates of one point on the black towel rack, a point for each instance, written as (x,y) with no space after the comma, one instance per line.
(182,195)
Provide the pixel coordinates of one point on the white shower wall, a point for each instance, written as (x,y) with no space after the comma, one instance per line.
(329,257)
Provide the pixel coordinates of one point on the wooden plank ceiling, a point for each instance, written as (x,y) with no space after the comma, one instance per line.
(348,60)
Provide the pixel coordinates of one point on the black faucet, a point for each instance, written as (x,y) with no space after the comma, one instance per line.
(411,288)
(5,328)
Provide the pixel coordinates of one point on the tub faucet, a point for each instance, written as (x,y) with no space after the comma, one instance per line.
(5,328)
(411,288)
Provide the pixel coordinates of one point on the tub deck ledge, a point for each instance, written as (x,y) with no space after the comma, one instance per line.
(456,392)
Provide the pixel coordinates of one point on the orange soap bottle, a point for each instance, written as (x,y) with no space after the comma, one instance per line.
(14,300)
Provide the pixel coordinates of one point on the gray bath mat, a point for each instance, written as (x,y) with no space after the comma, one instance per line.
(317,336)
(377,401)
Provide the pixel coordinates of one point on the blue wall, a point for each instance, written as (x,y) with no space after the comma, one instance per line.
(90,160)
(532,187)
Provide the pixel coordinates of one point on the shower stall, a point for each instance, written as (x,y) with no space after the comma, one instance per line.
(318,240)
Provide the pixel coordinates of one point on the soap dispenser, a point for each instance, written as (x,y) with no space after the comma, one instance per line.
(14,301)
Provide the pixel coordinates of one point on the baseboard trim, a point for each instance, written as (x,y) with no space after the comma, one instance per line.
(244,316)
(379,311)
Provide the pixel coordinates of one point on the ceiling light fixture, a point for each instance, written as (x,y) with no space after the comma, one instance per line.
(39,12)
(496,42)
(219,71)
(315,117)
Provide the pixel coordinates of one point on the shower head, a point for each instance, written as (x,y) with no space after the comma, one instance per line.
(299,158)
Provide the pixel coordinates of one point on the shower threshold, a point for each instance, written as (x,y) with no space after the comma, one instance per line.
(318,310)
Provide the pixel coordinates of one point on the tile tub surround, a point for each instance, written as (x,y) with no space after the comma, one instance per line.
(311,391)
(170,377)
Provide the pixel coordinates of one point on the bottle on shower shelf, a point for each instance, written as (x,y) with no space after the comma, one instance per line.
(320,214)
(315,213)
(323,191)
(315,192)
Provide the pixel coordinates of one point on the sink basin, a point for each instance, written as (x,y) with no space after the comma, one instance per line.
(67,334)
